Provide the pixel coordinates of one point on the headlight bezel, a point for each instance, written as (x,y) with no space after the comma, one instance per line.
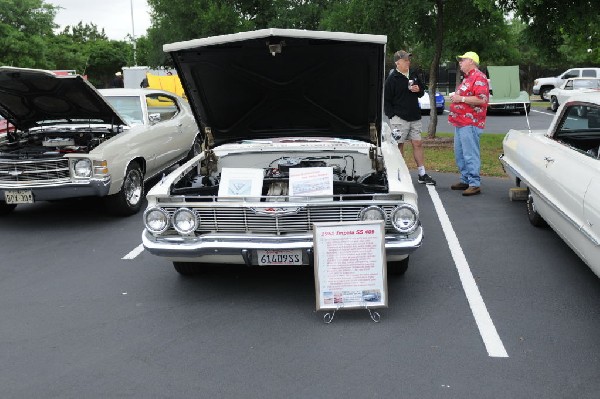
(167,220)
(82,163)
(369,209)
(405,229)
(177,227)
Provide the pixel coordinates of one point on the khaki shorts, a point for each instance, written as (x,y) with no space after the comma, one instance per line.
(403,130)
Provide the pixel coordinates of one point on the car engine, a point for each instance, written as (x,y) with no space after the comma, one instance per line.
(204,180)
(51,143)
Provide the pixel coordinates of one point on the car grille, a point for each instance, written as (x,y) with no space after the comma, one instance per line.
(47,171)
(245,220)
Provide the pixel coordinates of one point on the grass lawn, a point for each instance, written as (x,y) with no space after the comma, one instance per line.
(439,154)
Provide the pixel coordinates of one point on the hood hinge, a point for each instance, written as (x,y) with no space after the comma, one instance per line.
(373,133)
(209,138)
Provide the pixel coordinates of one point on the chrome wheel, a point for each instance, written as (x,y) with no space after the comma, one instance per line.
(133,187)
(128,200)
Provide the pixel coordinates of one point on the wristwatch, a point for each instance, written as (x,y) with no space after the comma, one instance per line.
(463,100)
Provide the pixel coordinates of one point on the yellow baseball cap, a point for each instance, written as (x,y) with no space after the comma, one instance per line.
(471,55)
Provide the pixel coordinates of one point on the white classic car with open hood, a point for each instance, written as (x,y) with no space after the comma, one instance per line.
(559,171)
(294,135)
(75,141)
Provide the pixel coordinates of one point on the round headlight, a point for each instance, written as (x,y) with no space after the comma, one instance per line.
(82,168)
(156,220)
(405,219)
(372,213)
(185,221)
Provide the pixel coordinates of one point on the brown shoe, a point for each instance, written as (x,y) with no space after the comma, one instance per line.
(459,186)
(472,190)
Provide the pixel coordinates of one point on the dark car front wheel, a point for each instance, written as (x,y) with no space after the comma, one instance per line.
(398,268)
(534,217)
(6,208)
(544,93)
(186,269)
(553,104)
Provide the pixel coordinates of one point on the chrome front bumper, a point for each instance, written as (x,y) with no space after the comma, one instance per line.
(92,188)
(241,248)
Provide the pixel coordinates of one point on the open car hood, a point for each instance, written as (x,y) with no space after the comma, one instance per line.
(284,82)
(30,97)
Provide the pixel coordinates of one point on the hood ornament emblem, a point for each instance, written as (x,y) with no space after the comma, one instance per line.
(271,211)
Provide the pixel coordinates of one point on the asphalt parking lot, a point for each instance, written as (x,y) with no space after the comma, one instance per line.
(87,314)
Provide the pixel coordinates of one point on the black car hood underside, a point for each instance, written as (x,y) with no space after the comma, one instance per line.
(312,87)
(29,97)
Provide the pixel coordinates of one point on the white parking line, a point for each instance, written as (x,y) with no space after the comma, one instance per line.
(487,330)
(542,112)
(136,251)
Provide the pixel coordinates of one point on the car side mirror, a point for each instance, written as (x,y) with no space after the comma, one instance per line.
(154,118)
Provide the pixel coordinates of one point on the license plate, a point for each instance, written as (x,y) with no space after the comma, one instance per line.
(279,257)
(18,197)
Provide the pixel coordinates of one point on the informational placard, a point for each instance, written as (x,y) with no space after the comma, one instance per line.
(308,182)
(241,182)
(350,265)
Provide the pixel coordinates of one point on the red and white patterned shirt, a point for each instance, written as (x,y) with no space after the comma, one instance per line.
(461,114)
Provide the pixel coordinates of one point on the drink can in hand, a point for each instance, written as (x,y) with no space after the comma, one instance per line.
(410,83)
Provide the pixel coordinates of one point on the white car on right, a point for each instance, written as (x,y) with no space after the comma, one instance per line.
(558,171)
(570,87)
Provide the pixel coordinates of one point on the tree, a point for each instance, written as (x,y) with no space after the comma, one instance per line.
(570,28)
(23,26)
(105,57)
(177,20)
(81,33)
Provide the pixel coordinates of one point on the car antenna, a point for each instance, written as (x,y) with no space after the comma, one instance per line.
(527,117)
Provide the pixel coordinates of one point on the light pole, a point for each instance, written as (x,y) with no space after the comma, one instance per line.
(133,35)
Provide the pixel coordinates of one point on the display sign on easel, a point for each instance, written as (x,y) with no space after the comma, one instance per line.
(350,265)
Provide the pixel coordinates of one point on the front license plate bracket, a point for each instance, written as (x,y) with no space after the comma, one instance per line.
(279,257)
(18,197)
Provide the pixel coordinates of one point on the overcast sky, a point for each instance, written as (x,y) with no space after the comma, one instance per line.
(112,15)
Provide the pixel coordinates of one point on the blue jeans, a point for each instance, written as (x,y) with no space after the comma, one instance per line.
(466,154)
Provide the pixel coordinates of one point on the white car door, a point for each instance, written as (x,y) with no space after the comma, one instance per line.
(169,141)
(567,179)
(591,213)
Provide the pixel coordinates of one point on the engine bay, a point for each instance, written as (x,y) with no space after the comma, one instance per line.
(348,170)
(51,142)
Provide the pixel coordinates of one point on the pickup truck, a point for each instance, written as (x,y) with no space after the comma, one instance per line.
(542,86)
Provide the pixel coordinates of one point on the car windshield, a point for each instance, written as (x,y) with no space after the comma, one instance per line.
(580,129)
(130,108)
(586,84)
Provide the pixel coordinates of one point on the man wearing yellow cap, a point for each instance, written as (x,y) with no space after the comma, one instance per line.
(468,110)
